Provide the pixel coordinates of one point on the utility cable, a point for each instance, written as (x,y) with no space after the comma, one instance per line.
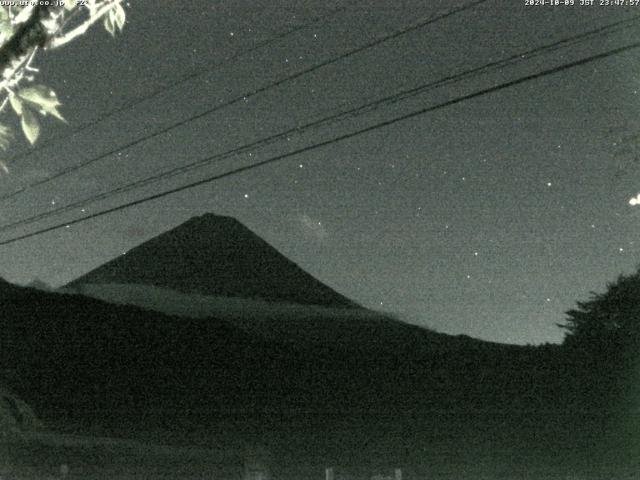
(243,97)
(402,95)
(339,138)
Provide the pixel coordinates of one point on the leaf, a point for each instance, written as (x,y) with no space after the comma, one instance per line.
(52,111)
(40,95)
(115,19)
(30,125)
(5,136)
(4,167)
(109,24)
(120,16)
(6,28)
(16,103)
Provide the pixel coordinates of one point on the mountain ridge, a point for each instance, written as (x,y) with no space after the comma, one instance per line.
(215,255)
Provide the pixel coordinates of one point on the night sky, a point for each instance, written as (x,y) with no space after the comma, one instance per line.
(490,217)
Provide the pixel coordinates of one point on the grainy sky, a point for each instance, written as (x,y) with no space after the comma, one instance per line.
(490,217)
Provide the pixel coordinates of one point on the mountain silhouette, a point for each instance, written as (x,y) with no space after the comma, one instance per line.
(216,256)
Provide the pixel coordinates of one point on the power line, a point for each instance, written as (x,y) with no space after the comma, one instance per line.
(129,105)
(250,94)
(402,95)
(581,37)
(145,98)
(339,138)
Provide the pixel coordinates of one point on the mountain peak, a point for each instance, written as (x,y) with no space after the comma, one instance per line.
(208,218)
(215,255)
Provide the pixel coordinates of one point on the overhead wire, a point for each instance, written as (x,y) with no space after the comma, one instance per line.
(339,138)
(133,103)
(244,96)
(402,95)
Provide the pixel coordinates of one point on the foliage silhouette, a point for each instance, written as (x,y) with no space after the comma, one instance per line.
(607,325)
(602,343)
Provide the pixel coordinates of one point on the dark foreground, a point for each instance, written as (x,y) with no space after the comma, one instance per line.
(363,445)
(204,398)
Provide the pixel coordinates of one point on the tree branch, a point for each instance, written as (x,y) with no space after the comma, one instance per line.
(31,34)
(24,15)
(82,28)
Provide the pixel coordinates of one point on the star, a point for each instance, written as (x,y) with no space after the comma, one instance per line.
(313,227)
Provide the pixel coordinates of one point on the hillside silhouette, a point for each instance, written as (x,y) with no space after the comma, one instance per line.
(88,366)
(328,384)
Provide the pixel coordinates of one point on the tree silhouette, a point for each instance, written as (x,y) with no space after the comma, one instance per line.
(608,323)
(602,366)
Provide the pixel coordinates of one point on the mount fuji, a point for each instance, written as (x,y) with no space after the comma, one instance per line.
(214,255)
